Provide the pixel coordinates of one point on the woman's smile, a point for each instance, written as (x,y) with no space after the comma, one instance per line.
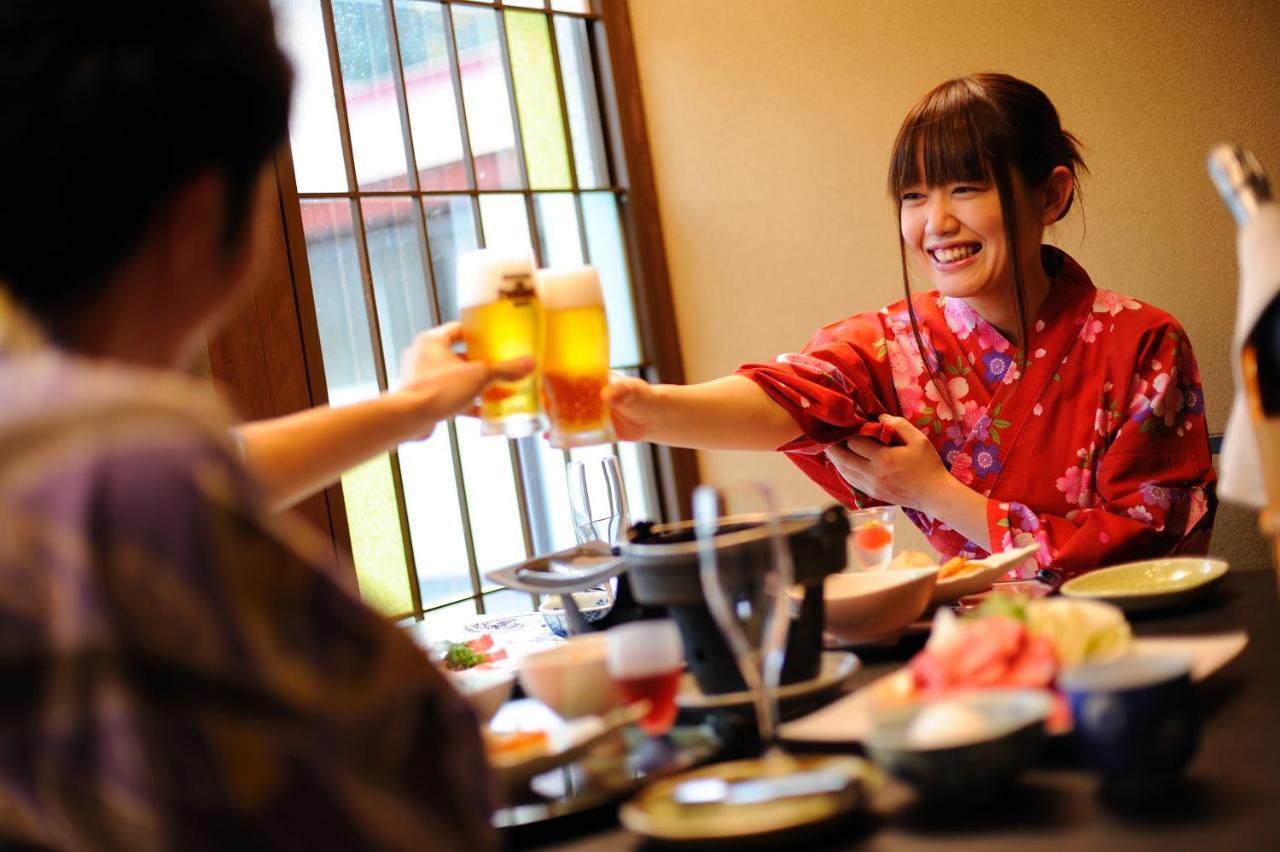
(952,256)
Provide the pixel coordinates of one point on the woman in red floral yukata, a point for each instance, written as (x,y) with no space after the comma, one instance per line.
(1014,403)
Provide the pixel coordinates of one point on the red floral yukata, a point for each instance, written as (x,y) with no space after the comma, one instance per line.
(1094,445)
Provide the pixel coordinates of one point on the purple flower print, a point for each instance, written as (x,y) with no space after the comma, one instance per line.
(949,451)
(997,364)
(1155,495)
(986,459)
(1193,400)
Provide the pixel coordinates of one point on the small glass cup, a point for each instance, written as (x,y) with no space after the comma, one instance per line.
(645,661)
(871,538)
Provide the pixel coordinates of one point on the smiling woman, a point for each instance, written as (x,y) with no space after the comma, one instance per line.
(1015,403)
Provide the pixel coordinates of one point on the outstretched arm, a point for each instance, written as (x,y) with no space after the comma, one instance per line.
(731,413)
(298,454)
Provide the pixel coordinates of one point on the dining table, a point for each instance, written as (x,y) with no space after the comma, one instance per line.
(1228,799)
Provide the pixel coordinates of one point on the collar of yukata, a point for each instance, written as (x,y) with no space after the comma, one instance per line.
(18,331)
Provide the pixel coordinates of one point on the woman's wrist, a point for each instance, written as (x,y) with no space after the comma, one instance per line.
(961,508)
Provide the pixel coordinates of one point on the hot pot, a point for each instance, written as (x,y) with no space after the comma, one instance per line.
(662,564)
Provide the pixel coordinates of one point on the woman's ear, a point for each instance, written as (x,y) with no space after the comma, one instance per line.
(1056,195)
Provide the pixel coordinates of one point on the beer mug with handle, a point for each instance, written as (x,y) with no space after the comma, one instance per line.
(501,321)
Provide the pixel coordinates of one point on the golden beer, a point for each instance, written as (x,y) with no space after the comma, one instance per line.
(502,320)
(575,357)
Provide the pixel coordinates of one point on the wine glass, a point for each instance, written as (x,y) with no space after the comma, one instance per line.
(752,609)
(598,501)
(599,506)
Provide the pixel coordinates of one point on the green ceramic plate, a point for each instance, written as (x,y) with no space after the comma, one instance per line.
(1149,585)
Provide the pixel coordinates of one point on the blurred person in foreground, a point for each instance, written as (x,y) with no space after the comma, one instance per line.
(181,669)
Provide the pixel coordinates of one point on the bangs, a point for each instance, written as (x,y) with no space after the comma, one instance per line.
(952,136)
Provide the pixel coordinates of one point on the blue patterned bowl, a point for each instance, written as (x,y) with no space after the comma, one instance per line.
(594,605)
(1136,719)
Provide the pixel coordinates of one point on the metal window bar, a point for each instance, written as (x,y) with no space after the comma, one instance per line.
(519,455)
(522,501)
(468,161)
(411,160)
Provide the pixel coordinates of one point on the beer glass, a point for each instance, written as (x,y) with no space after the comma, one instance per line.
(575,356)
(501,321)
(645,660)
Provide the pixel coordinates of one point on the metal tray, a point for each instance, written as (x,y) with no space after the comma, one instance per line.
(563,571)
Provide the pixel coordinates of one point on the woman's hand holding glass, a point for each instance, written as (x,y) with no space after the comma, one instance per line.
(632,406)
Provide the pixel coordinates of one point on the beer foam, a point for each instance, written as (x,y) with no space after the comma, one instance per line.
(481,275)
(568,288)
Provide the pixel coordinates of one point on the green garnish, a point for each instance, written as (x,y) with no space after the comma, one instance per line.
(460,657)
(1012,606)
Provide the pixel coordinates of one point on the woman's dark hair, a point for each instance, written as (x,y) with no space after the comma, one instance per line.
(106,110)
(981,128)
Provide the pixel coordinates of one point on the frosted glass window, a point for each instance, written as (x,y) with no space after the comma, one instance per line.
(368,490)
(608,254)
(432,95)
(318,162)
(451,230)
(538,101)
(487,97)
(506,223)
(585,127)
(373,109)
(560,239)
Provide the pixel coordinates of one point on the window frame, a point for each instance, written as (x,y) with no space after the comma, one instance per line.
(253,341)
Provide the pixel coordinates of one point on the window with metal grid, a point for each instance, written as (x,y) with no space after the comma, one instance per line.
(421,129)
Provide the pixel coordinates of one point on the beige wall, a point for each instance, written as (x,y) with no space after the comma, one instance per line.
(771,122)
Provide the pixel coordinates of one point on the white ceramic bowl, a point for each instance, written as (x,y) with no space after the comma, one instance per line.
(485,689)
(572,679)
(594,605)
(872,605)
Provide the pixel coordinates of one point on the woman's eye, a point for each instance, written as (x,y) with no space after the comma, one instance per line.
(964,189)
(912,196)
